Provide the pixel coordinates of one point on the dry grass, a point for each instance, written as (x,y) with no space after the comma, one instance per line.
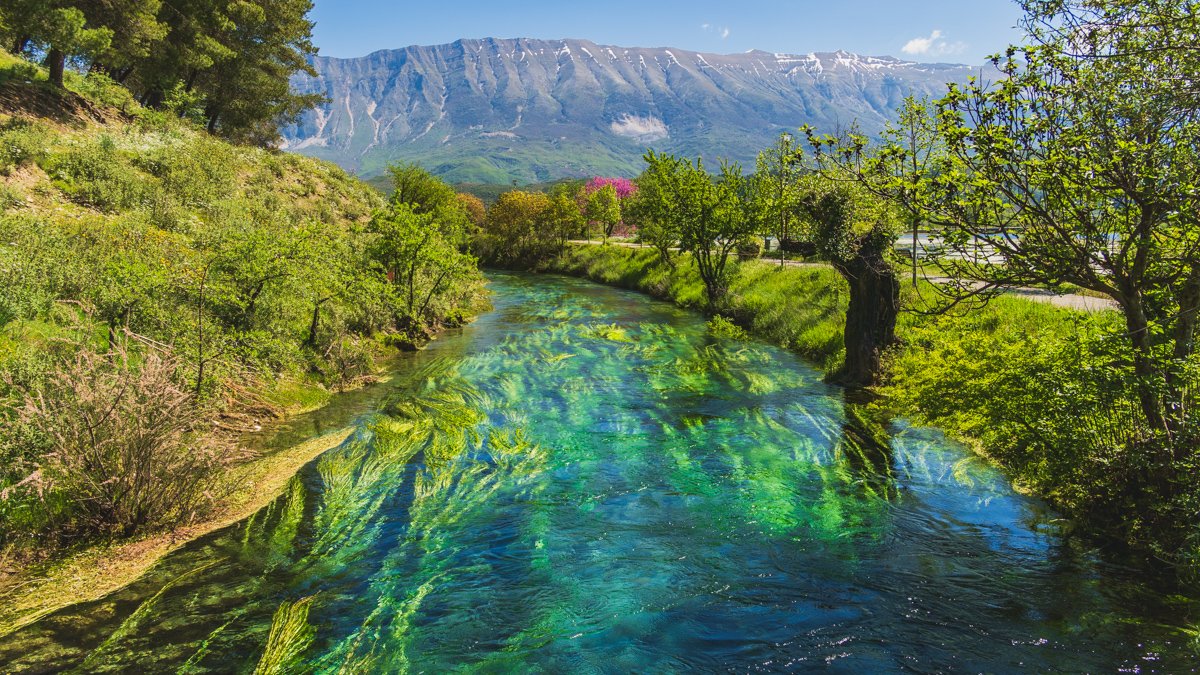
(27,596)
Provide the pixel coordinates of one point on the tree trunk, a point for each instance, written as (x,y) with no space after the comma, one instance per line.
(56,62)
(871,316)
(1189,307)
(1143,361)
(153,98)
(19,44)
(313,325)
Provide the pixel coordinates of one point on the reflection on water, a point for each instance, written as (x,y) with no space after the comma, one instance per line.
(586,481)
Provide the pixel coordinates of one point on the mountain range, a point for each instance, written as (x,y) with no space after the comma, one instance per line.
(502,110)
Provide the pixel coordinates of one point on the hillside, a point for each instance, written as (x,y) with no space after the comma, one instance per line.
(493,111)
(165,285)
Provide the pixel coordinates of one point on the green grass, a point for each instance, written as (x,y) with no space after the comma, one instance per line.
(799,308)
(298,395)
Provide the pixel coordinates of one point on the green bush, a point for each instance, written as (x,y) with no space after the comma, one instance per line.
(102,90)
(749,250)
(95,173)
(22,143)
(10,198)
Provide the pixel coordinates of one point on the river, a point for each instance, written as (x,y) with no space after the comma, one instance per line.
(586,480)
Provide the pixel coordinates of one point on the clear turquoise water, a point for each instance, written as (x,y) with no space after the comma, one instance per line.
(586,480)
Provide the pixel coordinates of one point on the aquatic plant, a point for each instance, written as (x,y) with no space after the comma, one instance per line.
(290,636)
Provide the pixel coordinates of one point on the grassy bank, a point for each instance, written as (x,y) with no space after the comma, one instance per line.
(1038,389)
(799,308)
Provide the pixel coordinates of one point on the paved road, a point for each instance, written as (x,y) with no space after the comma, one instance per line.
(1084,303)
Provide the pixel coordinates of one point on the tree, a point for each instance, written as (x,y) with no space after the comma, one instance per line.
(419,262)
(916,132)
(653,206)
(562,216)
(624,187)
(60,28)
(247,97)
(135,27)
(232,60)
(426,194)
(517,232)
(775,196)
(603,210)
(1079,167)
(713,217)
(196,43)
(474,209)
(413,185)
(856,231)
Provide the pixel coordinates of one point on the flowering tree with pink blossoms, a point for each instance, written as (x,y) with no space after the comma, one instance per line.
(624,188)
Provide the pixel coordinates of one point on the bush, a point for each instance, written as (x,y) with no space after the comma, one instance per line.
(749,250)
(103,91)
(21,143)
(129,449)
(94,173)
(10,198)
(719,326)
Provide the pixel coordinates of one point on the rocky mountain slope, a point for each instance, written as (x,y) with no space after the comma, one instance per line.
(500,110)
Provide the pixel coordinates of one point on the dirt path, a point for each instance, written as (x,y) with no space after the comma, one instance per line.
(1083,303)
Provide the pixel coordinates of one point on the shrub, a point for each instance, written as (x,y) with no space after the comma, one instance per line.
(94,173)
(21,143)
(749,250)
(719,326)
(103,91)
(10,198)
(129,453)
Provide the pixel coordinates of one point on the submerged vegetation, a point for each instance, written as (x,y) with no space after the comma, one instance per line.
(1054,417)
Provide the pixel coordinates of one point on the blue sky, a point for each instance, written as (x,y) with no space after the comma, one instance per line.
(960,31)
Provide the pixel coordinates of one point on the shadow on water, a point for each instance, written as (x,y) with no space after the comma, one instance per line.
(586,480)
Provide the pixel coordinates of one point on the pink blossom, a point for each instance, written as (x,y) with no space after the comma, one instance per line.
(623,186)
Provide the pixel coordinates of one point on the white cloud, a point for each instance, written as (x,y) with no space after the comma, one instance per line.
(934,45)
(648,128)
(709,28)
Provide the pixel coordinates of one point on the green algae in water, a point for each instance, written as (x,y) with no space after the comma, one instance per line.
(589,481)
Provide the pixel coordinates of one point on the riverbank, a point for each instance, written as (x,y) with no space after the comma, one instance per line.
(1033,387)
(166,291)
(1080,299)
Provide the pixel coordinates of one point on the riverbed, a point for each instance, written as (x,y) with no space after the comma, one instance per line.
(588,480)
